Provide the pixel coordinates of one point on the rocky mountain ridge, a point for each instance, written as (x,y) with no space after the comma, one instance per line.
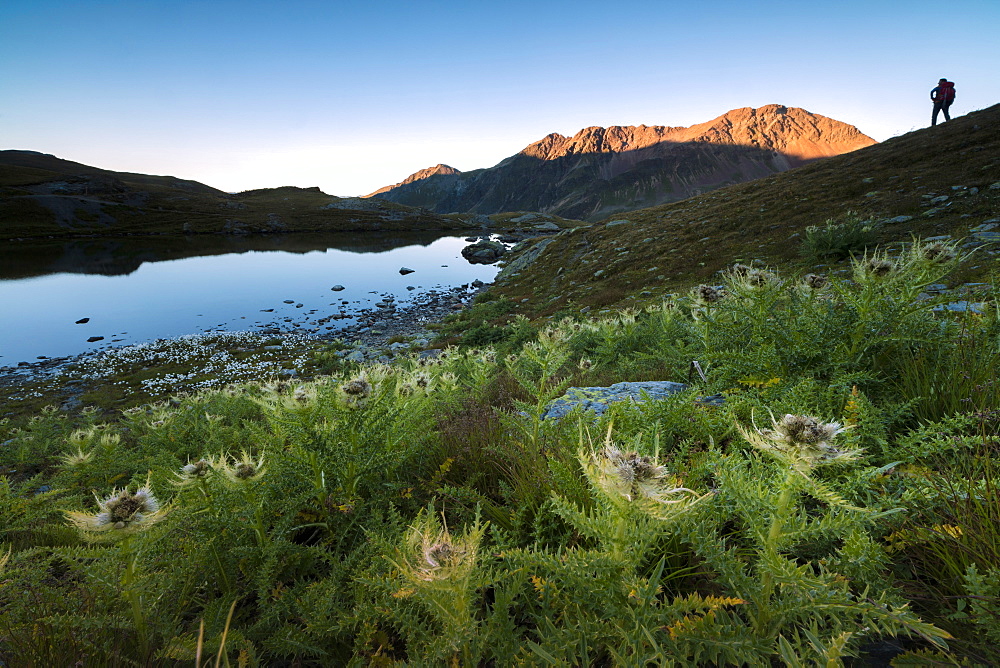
(601,171)
(939,183)
(439,169)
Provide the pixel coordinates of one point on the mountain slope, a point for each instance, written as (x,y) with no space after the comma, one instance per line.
(943,180)
(45,196)
(602,171)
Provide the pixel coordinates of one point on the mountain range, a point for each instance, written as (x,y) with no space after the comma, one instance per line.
(938,182)
(599,171)
(42,195)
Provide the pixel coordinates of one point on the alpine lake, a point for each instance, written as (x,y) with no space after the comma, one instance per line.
(67,299)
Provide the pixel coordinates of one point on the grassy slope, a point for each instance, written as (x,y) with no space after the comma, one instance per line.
(43,196)
(671,247)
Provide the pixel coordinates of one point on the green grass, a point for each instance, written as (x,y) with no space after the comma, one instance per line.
(424,513)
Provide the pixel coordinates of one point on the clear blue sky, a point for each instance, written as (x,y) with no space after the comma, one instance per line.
(351,95)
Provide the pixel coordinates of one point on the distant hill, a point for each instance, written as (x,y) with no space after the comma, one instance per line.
(942,180)
(45,196)
(603,171)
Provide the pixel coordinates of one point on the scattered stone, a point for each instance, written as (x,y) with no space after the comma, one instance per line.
(95,339)
(900,219)
(355,356)
(406,270)
(617,222)
(83,321)
(598,273)
(547,227)
(939,199)
(289,301)
(338,288)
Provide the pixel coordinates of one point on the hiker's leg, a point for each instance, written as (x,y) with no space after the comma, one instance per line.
(944,108)
(937,108)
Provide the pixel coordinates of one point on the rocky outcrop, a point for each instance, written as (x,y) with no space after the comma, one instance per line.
(601,171)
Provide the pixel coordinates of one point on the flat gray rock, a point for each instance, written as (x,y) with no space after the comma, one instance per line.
(597,399)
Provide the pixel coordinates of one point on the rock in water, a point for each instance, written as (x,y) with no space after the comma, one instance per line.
(406,270)
(484,252)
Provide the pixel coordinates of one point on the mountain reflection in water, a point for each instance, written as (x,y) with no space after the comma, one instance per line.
(120,256)
(56,297)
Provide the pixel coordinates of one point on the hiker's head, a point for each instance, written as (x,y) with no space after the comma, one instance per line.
(941,81)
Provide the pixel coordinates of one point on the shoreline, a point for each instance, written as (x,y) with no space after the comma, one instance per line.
(366,340)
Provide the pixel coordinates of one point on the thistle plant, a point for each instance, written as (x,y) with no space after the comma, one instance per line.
(539,371)
(813,283)
(636,499)
(743,279)
(801,442)
(356,391)
(77,458)
(707,295)
(239,471)
(121,513)
(441,571)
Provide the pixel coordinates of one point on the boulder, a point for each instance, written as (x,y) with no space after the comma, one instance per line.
(484,252)
(597,399)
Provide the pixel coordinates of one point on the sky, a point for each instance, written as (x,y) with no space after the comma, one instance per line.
(353,95)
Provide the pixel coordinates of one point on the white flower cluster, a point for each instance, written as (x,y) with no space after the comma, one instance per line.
(209,358)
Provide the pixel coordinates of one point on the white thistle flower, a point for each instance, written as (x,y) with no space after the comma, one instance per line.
(634,476)
(801,441)
(240,470)
(121,511)
(431,553)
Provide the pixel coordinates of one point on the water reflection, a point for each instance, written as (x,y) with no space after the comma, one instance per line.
(133,290)
(124,255)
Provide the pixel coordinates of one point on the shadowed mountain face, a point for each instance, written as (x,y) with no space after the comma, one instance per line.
(941,181)
(45,196)
(602,171)
(120,256)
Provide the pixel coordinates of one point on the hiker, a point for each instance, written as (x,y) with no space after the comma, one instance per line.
(942,95)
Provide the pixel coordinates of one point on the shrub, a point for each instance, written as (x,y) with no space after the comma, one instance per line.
(838,239)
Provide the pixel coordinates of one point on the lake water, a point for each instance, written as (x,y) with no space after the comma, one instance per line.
(141,289)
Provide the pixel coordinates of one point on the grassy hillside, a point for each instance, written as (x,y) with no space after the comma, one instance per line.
(673,247)
(44,196)
(837,497)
